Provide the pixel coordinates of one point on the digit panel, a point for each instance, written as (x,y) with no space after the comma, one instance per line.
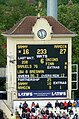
(42,67)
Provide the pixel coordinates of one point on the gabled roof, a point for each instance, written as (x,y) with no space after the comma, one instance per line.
(24,27)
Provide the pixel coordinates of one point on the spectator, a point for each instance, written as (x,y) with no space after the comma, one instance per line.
(61,105)
(57,104)
(49,105)
(67,117)
(16,112)
(42,111)
(1,114)
(18,116)
(32,116)
(69,105)
(75,116)
(39,115)
(33,110)
(23,109)
(12,116)
(45,116)
(65,105)
(77,104)
(25,105)
(47,111)
(37,105)
(50,115)
(33,104)
(71,112)
(23,115)
(28,115)
(58,116)
(73,104)
(20,106)
(64,115)
(28,110)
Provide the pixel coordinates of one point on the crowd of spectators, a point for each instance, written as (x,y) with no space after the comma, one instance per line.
(60,110)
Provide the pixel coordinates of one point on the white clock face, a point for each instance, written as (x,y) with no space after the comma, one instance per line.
(41,33)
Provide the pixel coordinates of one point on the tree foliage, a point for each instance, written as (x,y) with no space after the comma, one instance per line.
(12,11)
(65,2)
(15,10)
(68,16)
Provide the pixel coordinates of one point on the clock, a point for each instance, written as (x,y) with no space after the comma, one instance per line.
(42,33)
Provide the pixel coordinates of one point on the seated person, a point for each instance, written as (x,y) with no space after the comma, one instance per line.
(49,105)
(33,104)
(37,105)
(61,105)
(57,104)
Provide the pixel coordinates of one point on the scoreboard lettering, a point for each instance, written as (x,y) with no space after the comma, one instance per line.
(42,68)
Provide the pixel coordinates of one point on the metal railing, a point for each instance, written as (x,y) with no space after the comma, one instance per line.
(74,76)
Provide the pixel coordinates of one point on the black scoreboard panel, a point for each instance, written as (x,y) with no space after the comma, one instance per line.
(42,67)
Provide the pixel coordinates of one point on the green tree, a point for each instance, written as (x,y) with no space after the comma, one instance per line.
(15,10)
(69,17)
(11,12)
(3,51)
(2,1)
(65,2)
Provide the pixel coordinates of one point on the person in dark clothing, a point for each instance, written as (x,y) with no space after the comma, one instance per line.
(58,117)
(57,104)
(47,111)
(1,114)
(61,105)
(28,115)
(20,106)
(69,105)
(37,105)
(42,111)
(49,105)
(71,112)
(75,116)
(25,105)
(23,115)
(32,110)
(51,115)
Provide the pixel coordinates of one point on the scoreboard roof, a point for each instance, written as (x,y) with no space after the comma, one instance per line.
(24,27)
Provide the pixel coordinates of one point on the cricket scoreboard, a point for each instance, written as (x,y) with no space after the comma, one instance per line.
(42,70)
